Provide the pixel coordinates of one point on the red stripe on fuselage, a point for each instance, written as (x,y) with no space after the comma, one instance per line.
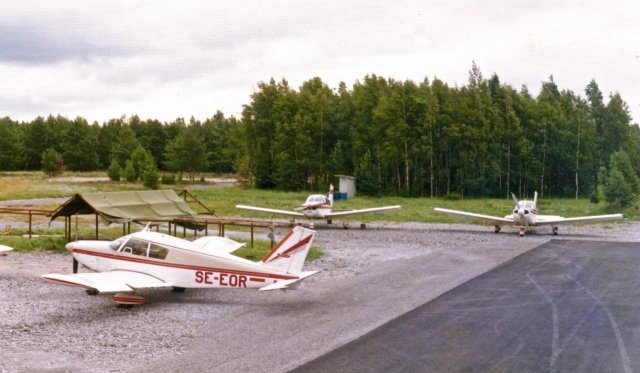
(181,266)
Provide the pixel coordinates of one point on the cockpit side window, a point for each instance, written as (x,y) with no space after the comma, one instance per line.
(158,252)
(136,247)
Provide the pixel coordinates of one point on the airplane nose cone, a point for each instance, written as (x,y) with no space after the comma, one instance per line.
(70,246)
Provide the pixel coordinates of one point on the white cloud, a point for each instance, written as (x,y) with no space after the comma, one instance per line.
(168,59)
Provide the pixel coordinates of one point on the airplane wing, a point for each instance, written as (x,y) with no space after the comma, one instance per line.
(288,284)
(108,282)
(5,248)
(362,211)
(271,211)
(218,244)
(495,219)
(551,219)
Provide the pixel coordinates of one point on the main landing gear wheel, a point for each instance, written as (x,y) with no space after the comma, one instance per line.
(363,226)
(92,291)
(127,300)
(329,221)
(555,231)
(177,289)
(522,230)
(345,225)
(497,228)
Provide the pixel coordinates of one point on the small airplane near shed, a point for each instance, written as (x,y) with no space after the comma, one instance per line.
(525,214)
(151,260)
(318,206)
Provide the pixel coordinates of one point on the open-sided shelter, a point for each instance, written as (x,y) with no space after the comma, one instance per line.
(125,207)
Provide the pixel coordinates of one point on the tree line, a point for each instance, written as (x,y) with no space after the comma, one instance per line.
(404,138)
(124,143)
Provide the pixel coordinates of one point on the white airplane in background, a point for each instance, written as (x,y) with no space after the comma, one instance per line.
(4,248)
(151,260)
(318,206)
(525,214)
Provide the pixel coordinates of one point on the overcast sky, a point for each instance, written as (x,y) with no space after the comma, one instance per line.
(169,59)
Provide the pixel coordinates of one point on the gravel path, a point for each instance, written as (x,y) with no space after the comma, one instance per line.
(368,278)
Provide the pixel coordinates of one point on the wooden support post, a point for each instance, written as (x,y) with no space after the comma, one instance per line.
(97,226)
(184,231)
(124,229)
(29,223)
(206,227)
(252,234)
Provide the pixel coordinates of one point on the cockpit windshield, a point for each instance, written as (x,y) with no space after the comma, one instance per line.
(316,199)
(115,245)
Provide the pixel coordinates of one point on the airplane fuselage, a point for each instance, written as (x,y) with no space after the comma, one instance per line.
(525,214)
(316,212)
(178,262)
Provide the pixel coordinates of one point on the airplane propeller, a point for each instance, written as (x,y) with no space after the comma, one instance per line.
(75,265)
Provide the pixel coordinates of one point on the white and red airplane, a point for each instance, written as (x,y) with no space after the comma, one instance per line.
(318,206)
(525,214)
(151,260)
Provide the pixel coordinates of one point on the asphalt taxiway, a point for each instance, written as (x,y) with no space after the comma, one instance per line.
(563,306)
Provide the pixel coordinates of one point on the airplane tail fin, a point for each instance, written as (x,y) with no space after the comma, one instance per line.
(330,195)
(289,254)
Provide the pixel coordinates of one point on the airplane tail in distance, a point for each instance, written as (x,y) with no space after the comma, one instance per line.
(535,198)
(289,254)
(330,195)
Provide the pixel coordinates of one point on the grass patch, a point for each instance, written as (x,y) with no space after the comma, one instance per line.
(25,185)
(25,244)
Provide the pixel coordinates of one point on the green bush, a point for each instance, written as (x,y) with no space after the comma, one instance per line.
(452,197)
(168,179)
(114,170)
(130,172)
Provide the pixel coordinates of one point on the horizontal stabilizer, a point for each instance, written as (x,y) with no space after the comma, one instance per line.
(108,282)
(288,284)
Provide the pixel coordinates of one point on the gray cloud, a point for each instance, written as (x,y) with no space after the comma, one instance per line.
(43,43)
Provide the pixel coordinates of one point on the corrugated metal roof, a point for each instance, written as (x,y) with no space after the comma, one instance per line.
(156,205)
